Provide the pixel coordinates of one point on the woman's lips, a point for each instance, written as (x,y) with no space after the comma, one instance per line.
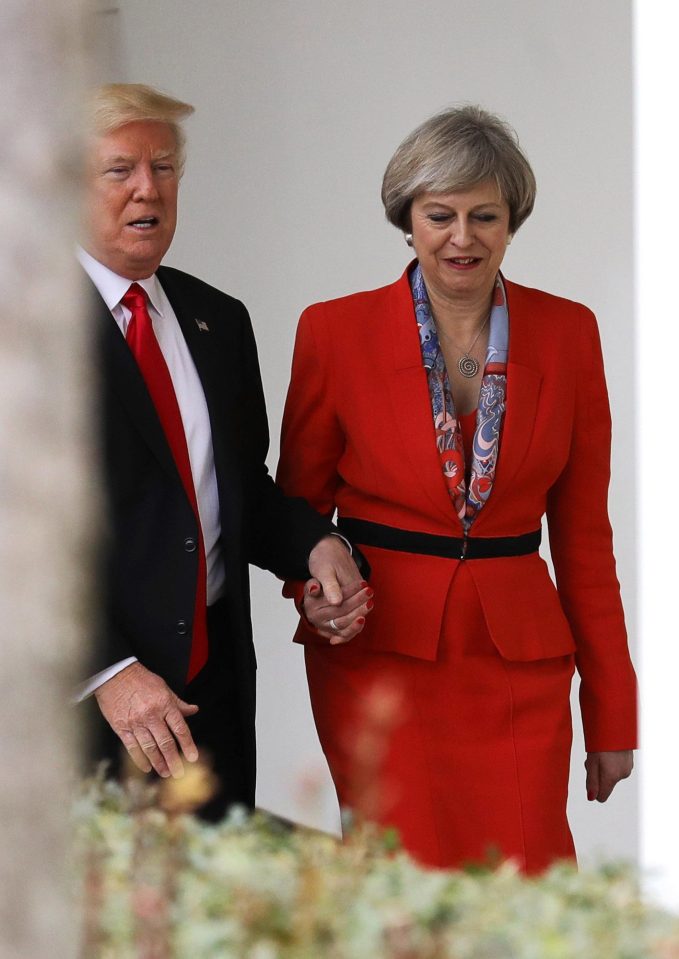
(463,262)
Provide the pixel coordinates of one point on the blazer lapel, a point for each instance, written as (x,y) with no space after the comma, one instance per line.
(409,394)
(195,327)
(124,381)
(523,391)
(412,408)
(210,360)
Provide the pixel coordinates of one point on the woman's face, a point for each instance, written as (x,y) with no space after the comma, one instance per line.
(460,240)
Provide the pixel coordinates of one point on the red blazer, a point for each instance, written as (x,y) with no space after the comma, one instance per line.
(358,436)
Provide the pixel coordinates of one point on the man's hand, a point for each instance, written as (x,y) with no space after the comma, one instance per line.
(348,617)
(605,770)
(331,563)
(149,719)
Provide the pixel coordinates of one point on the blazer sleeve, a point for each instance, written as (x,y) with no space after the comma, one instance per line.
(581,544)
(281,530)
(312,440)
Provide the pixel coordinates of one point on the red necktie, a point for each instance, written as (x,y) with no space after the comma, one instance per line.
(143,343)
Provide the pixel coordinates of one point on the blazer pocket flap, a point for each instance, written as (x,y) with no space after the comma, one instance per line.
(410,598)
(522,608)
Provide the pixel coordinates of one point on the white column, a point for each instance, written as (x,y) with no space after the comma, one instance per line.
(656,35)
(45,483)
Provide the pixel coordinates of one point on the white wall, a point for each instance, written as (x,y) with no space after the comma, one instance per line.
(656,26)
(299,106)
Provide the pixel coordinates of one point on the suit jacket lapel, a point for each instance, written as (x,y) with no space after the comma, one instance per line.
(211,361)
(523,391)
(125,382)
(407,382)
(412,408)
(196,329)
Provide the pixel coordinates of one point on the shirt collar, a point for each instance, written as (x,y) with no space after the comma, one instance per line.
(113,287)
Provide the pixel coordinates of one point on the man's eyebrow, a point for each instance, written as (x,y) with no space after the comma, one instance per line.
(124,158)
(118,158)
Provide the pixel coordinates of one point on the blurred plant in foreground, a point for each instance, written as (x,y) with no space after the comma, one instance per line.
(156,883)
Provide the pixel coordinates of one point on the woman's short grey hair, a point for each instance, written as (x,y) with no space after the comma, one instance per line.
(115,104)
(456,150)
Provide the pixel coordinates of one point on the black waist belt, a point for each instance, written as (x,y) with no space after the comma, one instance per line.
(364,533)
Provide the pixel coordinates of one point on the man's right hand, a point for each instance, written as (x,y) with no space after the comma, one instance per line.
(149,719)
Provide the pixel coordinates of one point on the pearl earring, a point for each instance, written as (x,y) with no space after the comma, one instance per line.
(408,237)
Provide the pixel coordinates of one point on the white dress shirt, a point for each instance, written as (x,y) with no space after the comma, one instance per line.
(194,414)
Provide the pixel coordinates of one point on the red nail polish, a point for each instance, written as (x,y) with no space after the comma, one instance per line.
(370,593)
(369,604)
(364,583)
(361,620)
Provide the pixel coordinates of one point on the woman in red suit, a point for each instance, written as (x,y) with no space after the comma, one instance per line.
(443,416)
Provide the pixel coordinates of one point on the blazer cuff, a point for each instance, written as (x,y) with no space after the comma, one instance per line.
(294,589)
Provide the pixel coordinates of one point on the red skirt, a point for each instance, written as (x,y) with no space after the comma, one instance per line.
(467,757)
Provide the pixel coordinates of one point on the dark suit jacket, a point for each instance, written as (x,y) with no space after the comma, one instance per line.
(151,561)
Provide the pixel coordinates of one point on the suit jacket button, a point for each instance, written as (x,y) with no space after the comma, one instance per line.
(182,628)
(190,544)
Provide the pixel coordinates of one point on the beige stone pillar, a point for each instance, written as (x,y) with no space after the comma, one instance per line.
(45,487)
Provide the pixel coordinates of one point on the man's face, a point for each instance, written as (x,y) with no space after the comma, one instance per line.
(133,180)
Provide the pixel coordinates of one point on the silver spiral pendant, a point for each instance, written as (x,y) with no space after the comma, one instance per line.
(468,366)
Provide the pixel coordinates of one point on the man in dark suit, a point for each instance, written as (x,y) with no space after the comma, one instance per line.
(190,502)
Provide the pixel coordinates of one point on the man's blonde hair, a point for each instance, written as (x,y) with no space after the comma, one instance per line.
(115,104)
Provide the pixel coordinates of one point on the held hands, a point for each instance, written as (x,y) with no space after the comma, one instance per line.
(338,622)
(605,770)
(336,598)
(149,719)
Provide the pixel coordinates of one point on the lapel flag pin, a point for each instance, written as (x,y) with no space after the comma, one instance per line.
(202,326)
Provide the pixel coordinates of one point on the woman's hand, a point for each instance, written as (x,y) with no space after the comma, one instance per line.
(605,770)
(348,616)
